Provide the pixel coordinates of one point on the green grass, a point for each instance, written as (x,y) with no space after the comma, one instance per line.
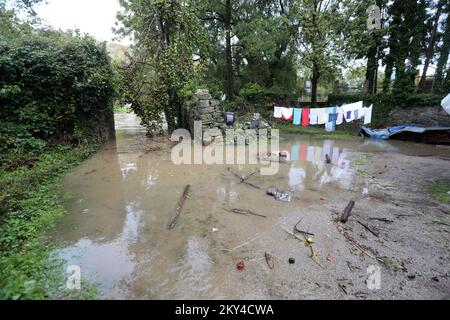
(316,132)
(439,191)
(30,204)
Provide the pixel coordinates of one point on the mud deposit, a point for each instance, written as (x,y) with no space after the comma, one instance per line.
(122,198)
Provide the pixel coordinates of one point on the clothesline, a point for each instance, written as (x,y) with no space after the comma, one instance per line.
(330,117)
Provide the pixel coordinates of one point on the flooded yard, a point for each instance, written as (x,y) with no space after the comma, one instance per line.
(122,198)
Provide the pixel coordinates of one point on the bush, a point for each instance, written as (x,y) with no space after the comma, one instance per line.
(53,87)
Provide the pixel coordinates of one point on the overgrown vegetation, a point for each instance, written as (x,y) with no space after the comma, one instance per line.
(54,87)
(30,203)
(56,93)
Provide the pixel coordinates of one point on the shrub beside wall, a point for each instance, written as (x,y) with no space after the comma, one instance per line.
(54,87)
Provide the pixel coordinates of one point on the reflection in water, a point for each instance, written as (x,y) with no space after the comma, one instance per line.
(122,199)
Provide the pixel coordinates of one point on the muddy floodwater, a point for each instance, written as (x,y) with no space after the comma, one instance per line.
(122,198)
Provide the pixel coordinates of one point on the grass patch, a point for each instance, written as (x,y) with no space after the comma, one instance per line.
(30,203)
(316,132)
(439,191)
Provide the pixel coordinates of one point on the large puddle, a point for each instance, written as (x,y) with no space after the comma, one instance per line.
(122,198)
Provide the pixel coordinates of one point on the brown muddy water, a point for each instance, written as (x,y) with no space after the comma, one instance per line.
(122,198)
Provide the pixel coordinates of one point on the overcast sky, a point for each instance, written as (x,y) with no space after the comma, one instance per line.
(96,17)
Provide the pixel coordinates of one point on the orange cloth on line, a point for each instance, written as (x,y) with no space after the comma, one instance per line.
(305,117)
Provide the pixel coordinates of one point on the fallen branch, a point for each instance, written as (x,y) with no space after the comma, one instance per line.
(375,233)
(180,204)
(301,231)
(347,211)
(314,256)
(243,179)
(382,220)
(245,212)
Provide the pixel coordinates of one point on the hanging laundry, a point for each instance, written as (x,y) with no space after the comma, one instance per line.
(360,113)
(349,110)
(287,114)
(335,115)
(340,117)
(305,117)
(297,116)
(313,116)
(329,125)
(368,115)
(321,116)
(277,112)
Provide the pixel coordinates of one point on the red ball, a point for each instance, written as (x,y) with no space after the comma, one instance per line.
(240,266)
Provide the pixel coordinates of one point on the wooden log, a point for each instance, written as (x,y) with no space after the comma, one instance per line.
(173,220)
(347,211)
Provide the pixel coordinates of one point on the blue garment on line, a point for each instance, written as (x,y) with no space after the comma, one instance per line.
(331,125)
(297,116)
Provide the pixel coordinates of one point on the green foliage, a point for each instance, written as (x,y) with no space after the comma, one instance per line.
(52,87)
(254,93)
(30,202)
(168,35)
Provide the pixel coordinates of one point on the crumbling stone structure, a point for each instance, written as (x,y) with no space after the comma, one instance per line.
(207,110)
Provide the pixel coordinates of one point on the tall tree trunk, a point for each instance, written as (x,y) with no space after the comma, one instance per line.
(229,54)
(314,82)
(387,76)
(444,51)
(430,48)
(372,65)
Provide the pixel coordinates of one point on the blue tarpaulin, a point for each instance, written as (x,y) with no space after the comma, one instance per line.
(385,134)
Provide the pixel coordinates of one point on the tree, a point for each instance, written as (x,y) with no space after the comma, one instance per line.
(444,52)
(365,43)
(167,35)
(320,39)
(405,38)
(218,20)
(429,51)
(266,31)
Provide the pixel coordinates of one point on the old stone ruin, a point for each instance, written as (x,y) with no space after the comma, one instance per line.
(208,110)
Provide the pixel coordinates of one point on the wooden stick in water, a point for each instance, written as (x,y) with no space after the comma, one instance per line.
(180,204)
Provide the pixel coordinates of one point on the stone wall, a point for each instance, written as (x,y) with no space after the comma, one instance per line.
(207,110)
(423,116)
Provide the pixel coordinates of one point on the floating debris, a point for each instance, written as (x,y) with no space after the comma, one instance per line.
(269,260)
(280,195)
